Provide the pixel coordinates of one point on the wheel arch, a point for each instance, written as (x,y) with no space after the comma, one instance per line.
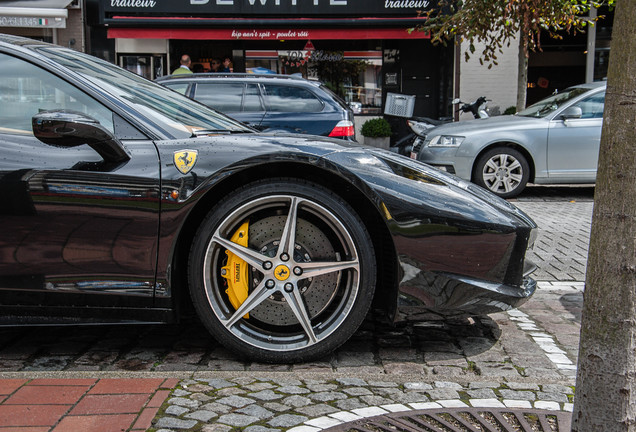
(385,297)
(508,144)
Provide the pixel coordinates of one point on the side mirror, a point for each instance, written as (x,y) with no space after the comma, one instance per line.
(67,129)
(573,112)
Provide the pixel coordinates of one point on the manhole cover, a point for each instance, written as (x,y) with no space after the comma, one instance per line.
(462,420)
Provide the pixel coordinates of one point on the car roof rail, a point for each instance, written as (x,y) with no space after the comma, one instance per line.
(234,75)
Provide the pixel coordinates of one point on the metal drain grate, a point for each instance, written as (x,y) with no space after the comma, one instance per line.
(462,420)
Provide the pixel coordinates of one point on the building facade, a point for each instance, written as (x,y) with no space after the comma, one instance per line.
(56,21)
(362,49)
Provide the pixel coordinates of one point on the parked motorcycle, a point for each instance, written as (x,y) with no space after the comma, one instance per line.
(419,126)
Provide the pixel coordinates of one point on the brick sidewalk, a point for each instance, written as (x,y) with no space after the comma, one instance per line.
(80,405)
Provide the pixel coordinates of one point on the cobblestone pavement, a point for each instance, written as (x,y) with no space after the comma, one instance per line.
(525,358)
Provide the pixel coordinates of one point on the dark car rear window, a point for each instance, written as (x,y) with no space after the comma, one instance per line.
(335,97)
(282,98)
(225,97)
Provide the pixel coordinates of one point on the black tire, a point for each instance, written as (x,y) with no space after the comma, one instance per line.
(309,288)
(502,170)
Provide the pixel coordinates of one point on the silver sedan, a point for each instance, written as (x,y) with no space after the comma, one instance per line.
(555,141)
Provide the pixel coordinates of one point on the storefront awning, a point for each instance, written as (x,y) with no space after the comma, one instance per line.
(265,33)
(34,13)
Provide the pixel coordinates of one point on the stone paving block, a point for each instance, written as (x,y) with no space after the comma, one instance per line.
(275,406)
(452,403)
(327,396)
(410,397)
(395,407)
(357,391)
(256,411)
(513,403)
(443,394)
(202,415)
(215,427)
(350,404)
(287,420)
(293,389)
(553,406)
(345,416)
(486,403)
(237,420)
(323,422)
(236,401)
(425,405)
(316,410)
(260,429)
(351,382)
(417,386)
(174,423)
(485,393)
(176,410)
(370,411)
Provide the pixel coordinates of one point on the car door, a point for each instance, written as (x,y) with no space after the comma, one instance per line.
(238,100)
(573,144)
(78,230)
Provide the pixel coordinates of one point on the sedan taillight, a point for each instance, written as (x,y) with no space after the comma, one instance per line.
(344,128)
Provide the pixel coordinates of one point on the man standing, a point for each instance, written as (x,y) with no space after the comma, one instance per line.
(185,66)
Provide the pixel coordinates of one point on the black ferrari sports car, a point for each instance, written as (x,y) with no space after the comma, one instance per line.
(126,202)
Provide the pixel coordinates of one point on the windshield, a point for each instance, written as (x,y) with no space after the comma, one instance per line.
(174,113)
(548,105)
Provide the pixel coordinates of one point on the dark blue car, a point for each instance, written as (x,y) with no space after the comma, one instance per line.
(270,103)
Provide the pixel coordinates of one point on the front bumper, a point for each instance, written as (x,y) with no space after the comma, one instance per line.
(443,158)
(438,296)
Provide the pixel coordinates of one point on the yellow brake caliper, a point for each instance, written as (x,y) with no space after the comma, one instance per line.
(236,272)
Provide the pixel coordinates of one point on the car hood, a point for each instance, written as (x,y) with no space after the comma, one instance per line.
(487,125)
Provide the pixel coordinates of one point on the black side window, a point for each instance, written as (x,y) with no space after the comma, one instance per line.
(284,98)
(26,89)
(225,97)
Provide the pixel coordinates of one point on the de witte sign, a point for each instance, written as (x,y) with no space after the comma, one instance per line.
(284,8)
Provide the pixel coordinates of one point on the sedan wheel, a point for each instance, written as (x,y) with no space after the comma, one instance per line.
(503,171)
(282,271)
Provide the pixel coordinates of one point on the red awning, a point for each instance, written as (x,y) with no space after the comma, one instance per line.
(265,34)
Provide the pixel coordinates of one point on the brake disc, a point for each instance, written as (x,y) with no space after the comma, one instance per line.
(311,244)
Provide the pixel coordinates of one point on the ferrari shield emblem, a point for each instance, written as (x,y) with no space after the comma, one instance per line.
(185,160)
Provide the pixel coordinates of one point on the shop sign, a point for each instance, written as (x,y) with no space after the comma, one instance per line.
(23,21)
(300,57)
(293,8)
(197,33)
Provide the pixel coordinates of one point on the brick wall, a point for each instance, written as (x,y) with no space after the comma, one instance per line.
(498,83)
(73,31)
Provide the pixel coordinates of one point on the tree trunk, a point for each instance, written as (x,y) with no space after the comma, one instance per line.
(522,82)
(605,397)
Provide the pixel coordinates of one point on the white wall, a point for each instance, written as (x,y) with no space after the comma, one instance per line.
(498,83)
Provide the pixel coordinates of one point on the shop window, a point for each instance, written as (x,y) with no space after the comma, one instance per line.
(146,65)
(355,76)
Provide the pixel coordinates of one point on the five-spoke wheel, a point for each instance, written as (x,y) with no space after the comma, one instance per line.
(503,171)
(282,271)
